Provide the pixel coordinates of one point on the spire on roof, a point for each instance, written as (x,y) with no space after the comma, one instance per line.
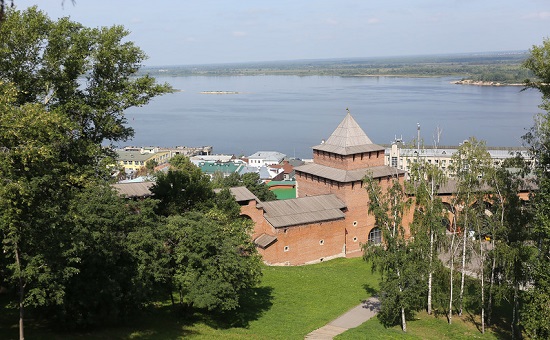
(348,133)
(348,138)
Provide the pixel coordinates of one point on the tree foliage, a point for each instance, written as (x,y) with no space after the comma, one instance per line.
(63,92)
(184,187)
(84,74)
(249,180)
(114,276)
(534,318)
(397,258)
(428,224)
(34,190)
(512,252)
(215,259)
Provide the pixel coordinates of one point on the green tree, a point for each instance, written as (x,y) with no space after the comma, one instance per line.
(511,252)
(471,164)
(63,92)
(534,319)
(86,74)
(397,259)
(429,214)
(105,290)
(214,257)
(34,191)
(249,180)
(182,188)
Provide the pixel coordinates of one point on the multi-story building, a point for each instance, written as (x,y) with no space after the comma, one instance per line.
(403,157)
(133,161)
(265,158)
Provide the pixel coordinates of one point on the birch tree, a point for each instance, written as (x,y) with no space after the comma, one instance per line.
(511,252)
(429,213)
(535,318)
(470,165)
(397,259)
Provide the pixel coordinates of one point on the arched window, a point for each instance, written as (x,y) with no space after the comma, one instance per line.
(375,235)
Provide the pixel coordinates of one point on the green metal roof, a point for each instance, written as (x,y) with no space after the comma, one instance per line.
(227,168)
(272,183)
(285,194)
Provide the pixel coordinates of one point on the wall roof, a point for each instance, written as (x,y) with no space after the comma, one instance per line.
(241,194)
(123,155)
(304,210)
(348,139)
(345,176)
(134,189)
(265,240)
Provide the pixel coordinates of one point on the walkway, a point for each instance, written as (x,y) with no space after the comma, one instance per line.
(353,318)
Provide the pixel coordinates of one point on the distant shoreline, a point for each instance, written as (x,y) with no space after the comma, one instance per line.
(219,92)
(482,83)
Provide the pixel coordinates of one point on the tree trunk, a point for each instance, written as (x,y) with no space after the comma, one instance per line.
(430,274)
(482,286)
(403,320)
(515,311)
(21,295)
(451,254)
(463,271)
(492,283)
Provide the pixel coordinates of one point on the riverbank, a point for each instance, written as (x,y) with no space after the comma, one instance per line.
(482,83)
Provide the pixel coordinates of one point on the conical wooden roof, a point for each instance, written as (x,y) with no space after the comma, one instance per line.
(348,138)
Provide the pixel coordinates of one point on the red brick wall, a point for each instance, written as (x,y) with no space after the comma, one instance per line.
(355,197)
(349,162)
(315,243)
(304,241)
(340,238)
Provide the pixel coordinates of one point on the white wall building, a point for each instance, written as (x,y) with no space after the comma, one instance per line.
(265,158)
(402,157)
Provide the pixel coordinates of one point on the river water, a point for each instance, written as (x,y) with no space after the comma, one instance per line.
(290,114)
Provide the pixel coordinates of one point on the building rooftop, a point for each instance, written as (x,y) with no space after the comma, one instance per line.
(264,240)
(345,176)
(268,155)
(241,194)
(211,168)
(123,155)
(304,210)
(448,152)
(348,139)
(134,189)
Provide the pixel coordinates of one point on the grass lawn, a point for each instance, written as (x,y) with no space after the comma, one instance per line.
(290,302)
(424,327)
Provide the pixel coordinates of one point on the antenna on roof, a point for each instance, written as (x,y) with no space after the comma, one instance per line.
(418,138)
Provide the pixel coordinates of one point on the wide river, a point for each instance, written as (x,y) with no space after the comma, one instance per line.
(290,114)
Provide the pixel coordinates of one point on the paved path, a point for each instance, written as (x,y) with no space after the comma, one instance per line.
(353,318)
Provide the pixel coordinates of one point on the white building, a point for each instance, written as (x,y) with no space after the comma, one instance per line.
(265,158)
(402,157)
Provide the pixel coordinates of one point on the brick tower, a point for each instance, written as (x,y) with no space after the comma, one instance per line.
(339,166)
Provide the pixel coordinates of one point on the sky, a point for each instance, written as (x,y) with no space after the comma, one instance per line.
(189,32)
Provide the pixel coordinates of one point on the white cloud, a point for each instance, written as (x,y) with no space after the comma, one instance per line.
(539,15)
(372,21)
(331,21)
(239,34)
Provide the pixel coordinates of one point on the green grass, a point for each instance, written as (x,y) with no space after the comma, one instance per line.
(290,302)
(423,327)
